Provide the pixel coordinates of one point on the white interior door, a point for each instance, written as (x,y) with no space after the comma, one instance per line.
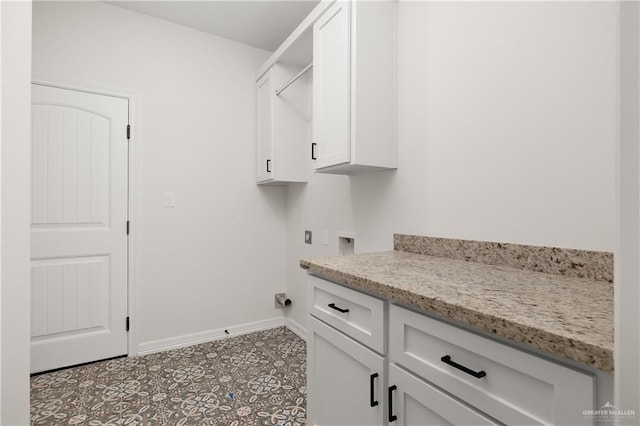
(78,227)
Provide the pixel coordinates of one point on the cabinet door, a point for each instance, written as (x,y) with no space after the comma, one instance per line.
(331,86)
(345,379)
(414,402)
(265,127)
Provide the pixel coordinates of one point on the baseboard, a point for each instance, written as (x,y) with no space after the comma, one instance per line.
(296,328)
(209,336)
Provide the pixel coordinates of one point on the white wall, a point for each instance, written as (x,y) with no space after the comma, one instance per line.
(15,212)
(506,132)
(216,259)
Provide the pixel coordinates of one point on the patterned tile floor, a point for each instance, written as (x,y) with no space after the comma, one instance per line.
(255,379)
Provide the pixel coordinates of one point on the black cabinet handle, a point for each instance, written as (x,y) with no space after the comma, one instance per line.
(477,374)
(313,151)
(392,417)
(372,399)
(333,306)
(268,163)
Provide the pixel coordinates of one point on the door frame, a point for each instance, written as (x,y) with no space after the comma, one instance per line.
(133,258)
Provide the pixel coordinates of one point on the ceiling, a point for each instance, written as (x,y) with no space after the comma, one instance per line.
(264,24)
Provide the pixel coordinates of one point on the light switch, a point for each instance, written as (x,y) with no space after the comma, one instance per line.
(169,199)
(325,238)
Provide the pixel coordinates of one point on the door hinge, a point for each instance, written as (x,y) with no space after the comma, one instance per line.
(128,131)
(127,323)
(127,227)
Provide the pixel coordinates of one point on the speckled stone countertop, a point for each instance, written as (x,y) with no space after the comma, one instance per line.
(567,316)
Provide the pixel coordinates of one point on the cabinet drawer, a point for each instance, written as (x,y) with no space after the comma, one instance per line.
(356,314)
(415,402)
(512,386)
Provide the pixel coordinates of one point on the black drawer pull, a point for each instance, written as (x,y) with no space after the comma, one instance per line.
(392,417)
(268,163)
(313,151)
(477,374)
(372,399)
(333,306)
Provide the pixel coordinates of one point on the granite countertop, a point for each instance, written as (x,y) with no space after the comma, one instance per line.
(564,315)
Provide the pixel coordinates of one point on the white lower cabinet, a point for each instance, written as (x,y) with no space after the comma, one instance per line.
(432,373)
(345,384)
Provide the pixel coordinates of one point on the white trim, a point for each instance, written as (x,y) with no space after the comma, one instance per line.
(2,55)
(133,257)
(81,86)
(207,336)
(296,328)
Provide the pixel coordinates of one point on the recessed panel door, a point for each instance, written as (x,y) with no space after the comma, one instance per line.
(78,227)
(332,86)
(345,379)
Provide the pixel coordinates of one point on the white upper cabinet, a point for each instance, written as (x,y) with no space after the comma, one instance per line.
(354,88)
(284,108)
(351,47)
(331,89)
(265,126)
(283,120)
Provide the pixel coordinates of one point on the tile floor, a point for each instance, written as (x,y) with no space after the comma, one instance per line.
(255,379)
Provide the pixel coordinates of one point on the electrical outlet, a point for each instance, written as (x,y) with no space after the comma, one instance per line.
(169,199)
(307,237)
(325,238)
